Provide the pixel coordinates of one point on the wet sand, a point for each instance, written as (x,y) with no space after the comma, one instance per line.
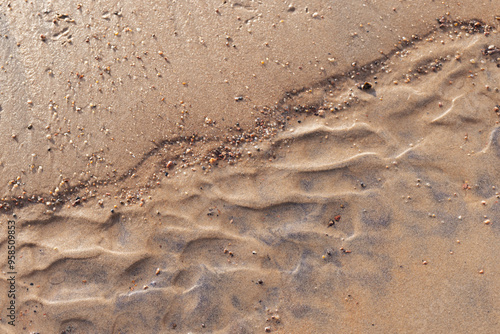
(238,167)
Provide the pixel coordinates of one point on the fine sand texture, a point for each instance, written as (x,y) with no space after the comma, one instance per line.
(250,167)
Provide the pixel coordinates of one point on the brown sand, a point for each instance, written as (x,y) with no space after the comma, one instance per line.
(295,202)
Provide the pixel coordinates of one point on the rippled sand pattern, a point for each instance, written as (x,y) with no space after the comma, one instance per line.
(378,217)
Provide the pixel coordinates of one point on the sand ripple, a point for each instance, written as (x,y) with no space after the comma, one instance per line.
(331,235)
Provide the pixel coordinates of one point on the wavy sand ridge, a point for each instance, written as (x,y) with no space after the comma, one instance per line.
(370,218)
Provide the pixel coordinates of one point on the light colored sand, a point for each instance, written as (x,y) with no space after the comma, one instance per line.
(406,170)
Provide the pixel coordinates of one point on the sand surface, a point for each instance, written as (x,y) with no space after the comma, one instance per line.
(250,167)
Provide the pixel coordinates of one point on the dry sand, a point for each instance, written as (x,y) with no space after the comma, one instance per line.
(247,167)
